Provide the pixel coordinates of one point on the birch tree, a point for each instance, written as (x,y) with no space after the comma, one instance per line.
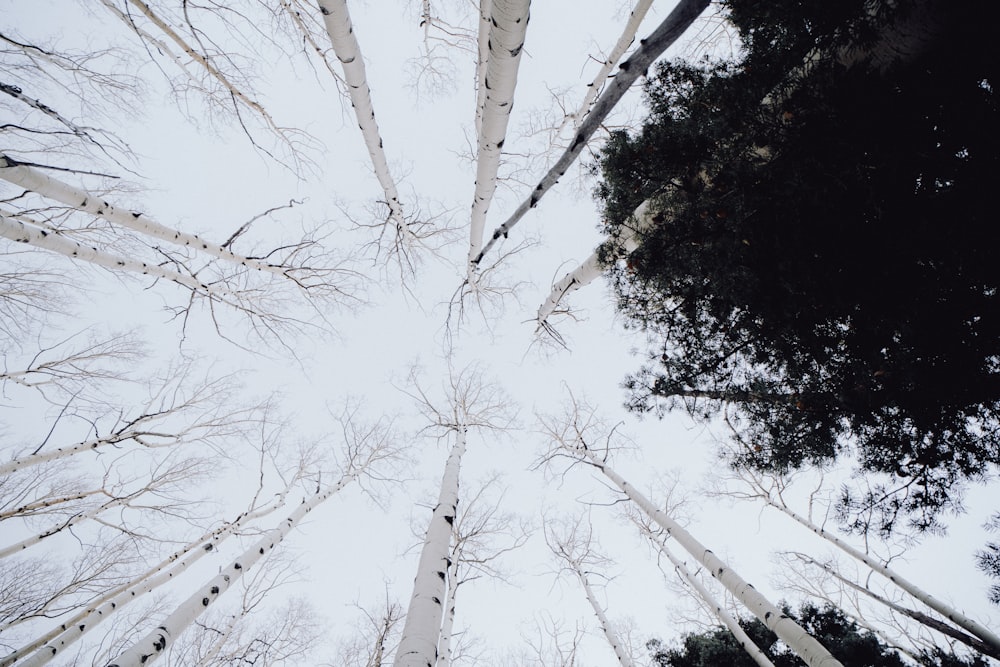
(573,118)
(470,403)
(207,71)
(676,23)
(155,496)
(705,597)
(482,535)
(404,235)
(208,270)
(593,267)
(918,616)
(572,543)
(59,638)
(358,458)
(66,367)
(508,26)
(250,633)
(373,642)
(771,495)
(173,413)
(578,437)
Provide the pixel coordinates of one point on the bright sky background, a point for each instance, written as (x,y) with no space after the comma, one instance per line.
(208,179)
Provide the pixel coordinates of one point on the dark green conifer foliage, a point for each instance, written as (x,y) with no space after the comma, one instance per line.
(988,560)
(848,643)
(824,268)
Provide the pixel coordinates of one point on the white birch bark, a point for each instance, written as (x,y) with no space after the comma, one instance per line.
(804,645)
(609,632)
(156,642)
(591,269)
(914,28)
(345,45)
(46,504)
(934,603)
(141,430)
(20,232)
(232,89)
(626,39)
(717,609)
(80,132)
(672,27)
(74,520)
(482,56)
(920,617)
(34,180)
(445,646)
(508,26)
(56,640)
(425,615)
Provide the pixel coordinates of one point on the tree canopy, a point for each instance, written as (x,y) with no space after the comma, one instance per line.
(850,644)
(819,267)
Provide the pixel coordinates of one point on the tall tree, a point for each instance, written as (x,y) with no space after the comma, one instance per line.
(470,403)
(581,437)
(816,269)
(988,560)
(853,646)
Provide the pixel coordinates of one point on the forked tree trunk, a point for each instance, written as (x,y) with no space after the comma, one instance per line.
(727,619)
(445,646)
(425,615)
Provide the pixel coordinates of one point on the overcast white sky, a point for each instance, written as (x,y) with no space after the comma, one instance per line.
(208,179)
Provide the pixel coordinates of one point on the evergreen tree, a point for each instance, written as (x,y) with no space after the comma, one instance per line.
(849,644)
(988,560)
(821,267)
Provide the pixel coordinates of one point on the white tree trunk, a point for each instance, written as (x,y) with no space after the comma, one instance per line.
(345,45)
(805,646)
(18,94)
(626,39)
(445,645)
(56,640)
(155,643)
(34,180)
(508,25)
(191,52)
(727,619)
(424,618)
(43,505)
(482,56)
(74,520)
(36,236)
(920,617)
(672,27)
(591,268)
(609,632)
(937,605)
